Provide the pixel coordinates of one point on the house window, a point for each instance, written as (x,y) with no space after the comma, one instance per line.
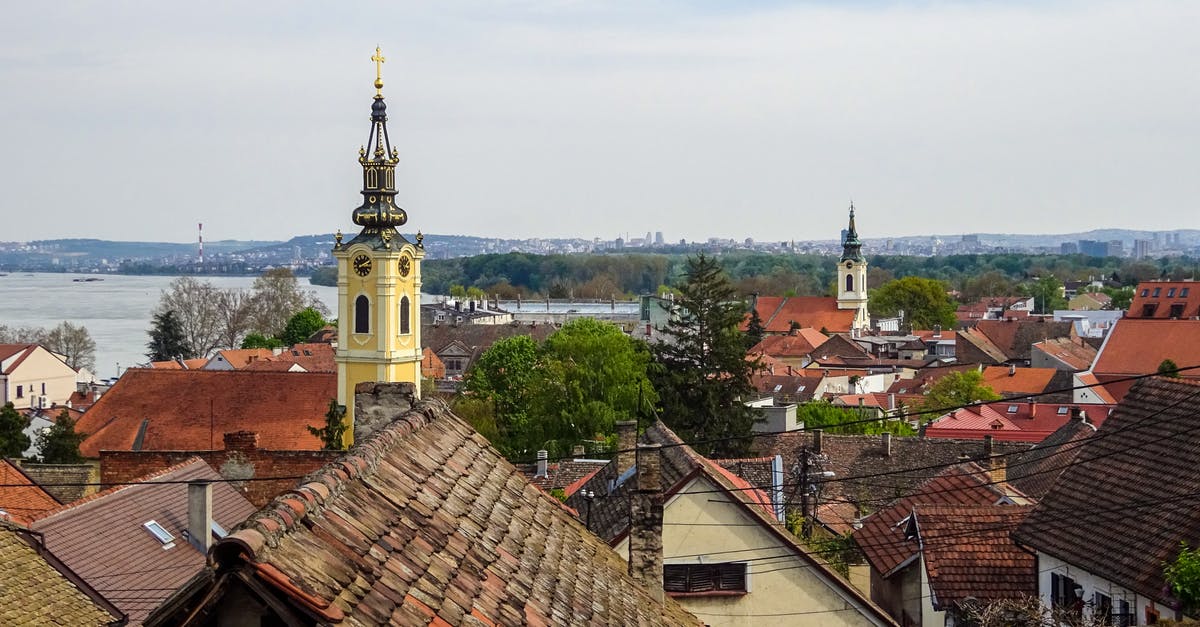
(1177,310)
(43,389)
(1171,292)
(699,578)
(1102,608)
(1157,291)
(405,325)
(1148,310)
(1145,292)
(362,314)
(1184,292)
(1065,593)
(849,282)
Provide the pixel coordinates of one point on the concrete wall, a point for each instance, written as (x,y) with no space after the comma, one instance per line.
(701,528)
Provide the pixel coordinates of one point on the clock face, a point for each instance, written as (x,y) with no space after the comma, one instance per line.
(405,266)
(849,264)
(362,265)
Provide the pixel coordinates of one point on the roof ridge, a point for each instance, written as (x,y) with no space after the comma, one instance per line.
(117,488)
(265,526)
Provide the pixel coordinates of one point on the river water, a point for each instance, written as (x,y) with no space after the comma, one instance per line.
(116,310)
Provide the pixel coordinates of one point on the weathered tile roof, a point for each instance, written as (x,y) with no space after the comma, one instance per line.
(799,343)
(1122,507)
(479,337)
(177,364)
(1073,353)
(21,499)
(562,474)
(784,388)
(37,589)
(883,538)
(866,475)
(1035,471)
(1014,421)
(757,471)
(1136,346)
(981,343)
(968,553)
(816,312)
(102,537)
(423,522)
(1015,337)
(156,410)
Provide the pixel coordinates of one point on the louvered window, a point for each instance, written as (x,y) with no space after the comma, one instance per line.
(728,577)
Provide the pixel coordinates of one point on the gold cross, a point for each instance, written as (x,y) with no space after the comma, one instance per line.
(378,59)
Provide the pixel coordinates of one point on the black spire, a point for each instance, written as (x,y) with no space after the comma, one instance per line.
(379,212)
(851,247)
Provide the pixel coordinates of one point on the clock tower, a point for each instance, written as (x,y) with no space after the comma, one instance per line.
(379,275)
(852,277)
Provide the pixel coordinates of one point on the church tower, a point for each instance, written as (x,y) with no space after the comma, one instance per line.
(379,275)
(852,277)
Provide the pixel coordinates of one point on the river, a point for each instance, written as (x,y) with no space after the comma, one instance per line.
(116,310)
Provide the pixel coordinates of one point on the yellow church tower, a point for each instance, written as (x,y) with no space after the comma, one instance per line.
(379,275)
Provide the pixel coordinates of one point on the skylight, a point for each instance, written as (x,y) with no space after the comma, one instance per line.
(1062,411)
(1012,409)
(778,387)
(160,533)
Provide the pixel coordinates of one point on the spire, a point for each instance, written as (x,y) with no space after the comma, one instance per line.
(851,247)
(379,211)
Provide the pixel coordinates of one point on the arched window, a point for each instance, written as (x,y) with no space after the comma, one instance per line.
(405,325)
(362,315)
(372,179)
(849,282)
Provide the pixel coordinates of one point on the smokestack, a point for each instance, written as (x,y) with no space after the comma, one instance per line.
(542,464)
(200,518)
(646,521)
(626,445)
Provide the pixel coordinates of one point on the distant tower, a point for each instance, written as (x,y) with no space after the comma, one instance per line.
(379,275)
(201,243)
(852,276)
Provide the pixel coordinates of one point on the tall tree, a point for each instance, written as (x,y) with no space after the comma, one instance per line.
(277,296)
(702,375)
(334,431)
(74,343)
(59,443)
(920,303)
(954,389)
(755,330)
(1047,293)
(235,317)
(504,375)
(13,441)
(21,335)
(301,326)
(167,340)
(196,307)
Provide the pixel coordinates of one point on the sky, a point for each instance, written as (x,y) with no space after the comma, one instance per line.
(137,120)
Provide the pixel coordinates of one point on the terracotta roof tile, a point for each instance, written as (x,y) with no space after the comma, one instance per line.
(1014,381)
(1136,346)
(1155,299)
(815,312)
(1014,421)
(239,358)
(22,500)
(189,410)
(1126,494)
(1072,353)
(1035,471)
(1015,337)
(102,537)
(968,553)
(800,343)
(36,589)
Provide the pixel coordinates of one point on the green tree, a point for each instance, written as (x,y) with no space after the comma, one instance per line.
(1168,368)
(59,443)
(13,441)
(167,340)
(920,303)
(847,420)
(302,325)
(1047,293)
(73,342)
(277,297)
(1183,573)
(333,433)
(952,390)
(755,330)
(258,340)
(1121,297)
(504,376)
(702,375)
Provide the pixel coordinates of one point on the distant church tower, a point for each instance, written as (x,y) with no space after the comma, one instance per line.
(379,275)
(852,277)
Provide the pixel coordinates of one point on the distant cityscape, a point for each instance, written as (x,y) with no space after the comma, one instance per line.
(304,254)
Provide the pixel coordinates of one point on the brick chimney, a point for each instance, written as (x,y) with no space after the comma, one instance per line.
(646,521)
(887,444)
(817,436)
(626,445)
(199,522)
(241,441)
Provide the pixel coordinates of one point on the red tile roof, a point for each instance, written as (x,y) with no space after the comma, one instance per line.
(18,351)
(1012,421)
(800,343)
(21,499)
(816,312)
(968,554)
(36,588)
(1136,346)
(239,358)
(186,364)
(1155,299)
(102,537)
(313,357)
(156,410)
(1073,353)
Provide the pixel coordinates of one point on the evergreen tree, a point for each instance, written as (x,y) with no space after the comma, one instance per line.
(332,434)
(702,375)
(13,440)
(167,340)
(60,443)
(755,330)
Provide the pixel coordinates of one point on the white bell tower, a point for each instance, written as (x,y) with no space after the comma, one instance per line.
(852,277)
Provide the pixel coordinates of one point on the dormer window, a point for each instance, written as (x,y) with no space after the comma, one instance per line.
(1171,292)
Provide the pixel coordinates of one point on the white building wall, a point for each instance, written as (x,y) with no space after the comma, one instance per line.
(1091,584)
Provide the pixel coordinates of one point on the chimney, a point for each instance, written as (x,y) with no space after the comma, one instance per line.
(816,440)
(997,469)
(789,370)
(577,450)
(646,521)
(542,463)
(200,520)
(626,445)
(887,444)
(1012,370)
(989,446)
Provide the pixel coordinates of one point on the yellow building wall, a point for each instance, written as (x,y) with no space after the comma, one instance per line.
(39,370)
(699,528)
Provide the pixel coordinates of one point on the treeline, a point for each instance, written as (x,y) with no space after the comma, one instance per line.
(607,275)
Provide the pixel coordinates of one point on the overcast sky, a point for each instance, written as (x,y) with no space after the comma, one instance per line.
(136,120)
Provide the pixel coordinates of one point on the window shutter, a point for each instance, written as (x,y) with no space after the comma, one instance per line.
(675,577)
